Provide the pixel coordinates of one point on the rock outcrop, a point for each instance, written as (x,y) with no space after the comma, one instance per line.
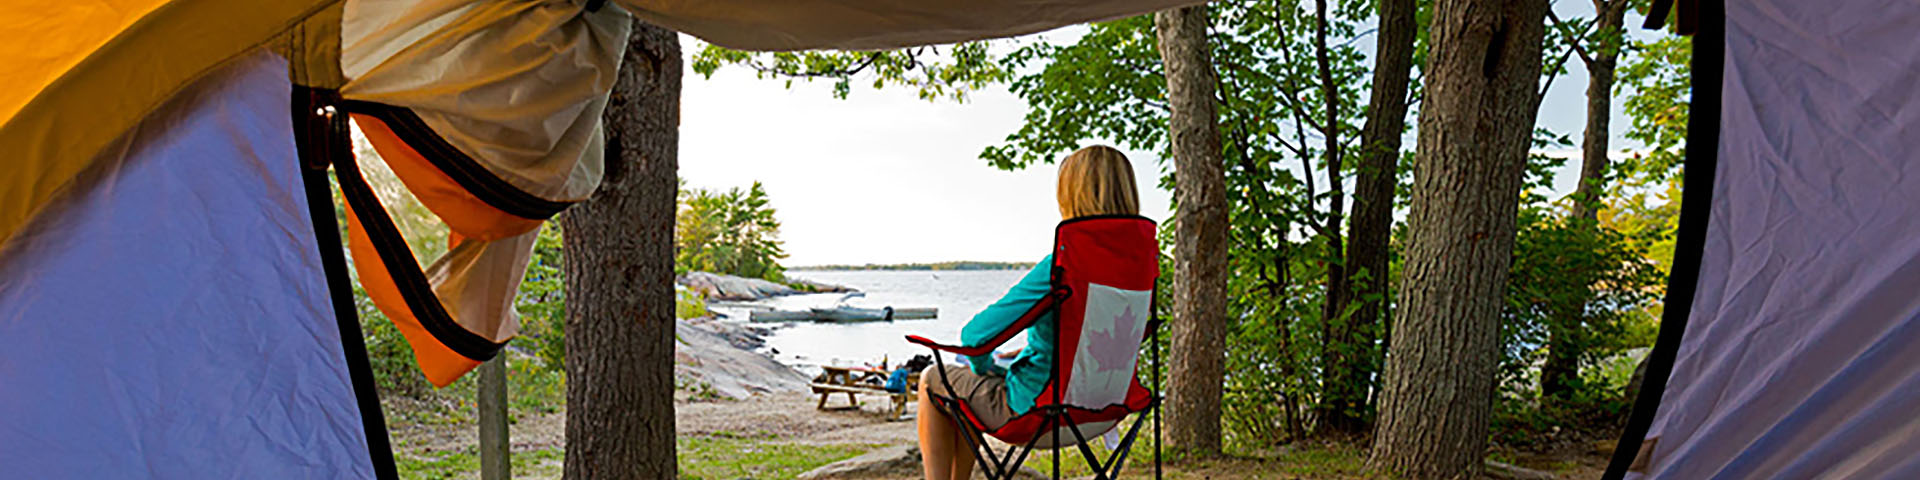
(718,286)
(720,357)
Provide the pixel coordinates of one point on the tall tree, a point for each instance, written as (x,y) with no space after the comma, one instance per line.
(1372,225)
(1475,129)
(619,277)
(1599,50)
(1200,236)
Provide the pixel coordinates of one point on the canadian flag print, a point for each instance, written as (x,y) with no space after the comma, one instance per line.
(1109,345)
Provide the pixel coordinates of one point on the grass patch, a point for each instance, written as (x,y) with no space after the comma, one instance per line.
(466,464)
(1301,460)
(729,457)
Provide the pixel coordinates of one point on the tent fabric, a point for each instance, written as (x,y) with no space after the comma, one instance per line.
(515,86)
(170,318)
(1797,358)
(783,25)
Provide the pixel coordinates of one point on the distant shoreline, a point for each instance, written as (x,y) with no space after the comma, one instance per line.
(941,266)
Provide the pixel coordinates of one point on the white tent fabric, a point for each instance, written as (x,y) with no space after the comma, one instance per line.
(875,24)
(1799,357)
(176,306)
(518,85)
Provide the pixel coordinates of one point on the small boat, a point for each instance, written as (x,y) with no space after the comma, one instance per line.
(843,314)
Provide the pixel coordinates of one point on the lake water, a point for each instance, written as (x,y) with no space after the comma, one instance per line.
(958,295)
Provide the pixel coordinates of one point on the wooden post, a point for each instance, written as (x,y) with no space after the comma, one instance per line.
(495,451)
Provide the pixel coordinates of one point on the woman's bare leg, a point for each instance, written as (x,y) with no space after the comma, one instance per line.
(963,458)
(936,437)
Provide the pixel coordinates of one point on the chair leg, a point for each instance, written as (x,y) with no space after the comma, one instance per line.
(1119,457)
(1093,460)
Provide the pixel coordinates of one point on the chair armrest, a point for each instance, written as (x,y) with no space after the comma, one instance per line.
(1046,304)
(937,346)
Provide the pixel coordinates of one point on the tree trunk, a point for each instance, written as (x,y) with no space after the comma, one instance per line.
(1339,349)
(1349,384)
(619,277)
(1563,352)
(1200,236)
(1605,55)
(1475,129)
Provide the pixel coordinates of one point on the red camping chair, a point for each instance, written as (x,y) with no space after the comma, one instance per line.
(1104,271)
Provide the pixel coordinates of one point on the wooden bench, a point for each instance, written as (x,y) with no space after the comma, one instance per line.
(849,380)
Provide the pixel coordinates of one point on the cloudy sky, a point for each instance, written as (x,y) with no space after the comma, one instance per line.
(885,177)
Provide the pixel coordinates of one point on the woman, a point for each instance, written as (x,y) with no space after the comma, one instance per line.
(1095,180)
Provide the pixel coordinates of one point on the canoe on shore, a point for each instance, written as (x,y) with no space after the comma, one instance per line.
(844,314)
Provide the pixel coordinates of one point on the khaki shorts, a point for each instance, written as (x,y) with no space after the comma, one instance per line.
(986,394)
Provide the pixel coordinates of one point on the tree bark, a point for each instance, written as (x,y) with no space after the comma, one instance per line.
(1349,383)
(1475,129)
(1563,349)
(619,277)
(1200,236)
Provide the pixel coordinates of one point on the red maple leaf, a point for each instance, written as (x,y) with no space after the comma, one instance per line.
(1116,347)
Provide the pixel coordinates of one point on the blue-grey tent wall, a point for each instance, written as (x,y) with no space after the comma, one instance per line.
(1789,353)
(170,316)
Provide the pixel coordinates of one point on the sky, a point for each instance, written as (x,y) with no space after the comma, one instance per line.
(885,177)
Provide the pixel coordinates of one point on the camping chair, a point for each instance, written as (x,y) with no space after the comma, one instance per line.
(1104,271)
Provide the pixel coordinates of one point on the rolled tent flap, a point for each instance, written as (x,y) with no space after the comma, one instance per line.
(781,25)
(489,114)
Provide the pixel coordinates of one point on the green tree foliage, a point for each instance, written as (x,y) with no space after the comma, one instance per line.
(732,232)
(1610,278)
(1660,77)
(542,303)
(935,71)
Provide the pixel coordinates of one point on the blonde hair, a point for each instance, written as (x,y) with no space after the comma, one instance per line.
(1097,180)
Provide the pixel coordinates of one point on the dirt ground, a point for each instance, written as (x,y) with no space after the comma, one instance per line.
(777,417)
(793,418)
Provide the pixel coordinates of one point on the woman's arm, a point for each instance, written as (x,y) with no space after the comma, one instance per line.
(1003,313)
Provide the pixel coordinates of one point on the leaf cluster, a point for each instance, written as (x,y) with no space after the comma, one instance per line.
(732,232)
(949,71)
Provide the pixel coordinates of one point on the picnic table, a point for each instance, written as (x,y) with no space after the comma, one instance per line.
(855,381)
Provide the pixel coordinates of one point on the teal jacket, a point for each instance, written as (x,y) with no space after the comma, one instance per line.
(1034,365)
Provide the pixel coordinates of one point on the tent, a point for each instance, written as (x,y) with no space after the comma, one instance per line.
(1787,349)
(174,297)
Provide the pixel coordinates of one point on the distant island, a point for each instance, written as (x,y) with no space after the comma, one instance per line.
(927,266)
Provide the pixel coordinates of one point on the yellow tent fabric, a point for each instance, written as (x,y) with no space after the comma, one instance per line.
(88,71)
